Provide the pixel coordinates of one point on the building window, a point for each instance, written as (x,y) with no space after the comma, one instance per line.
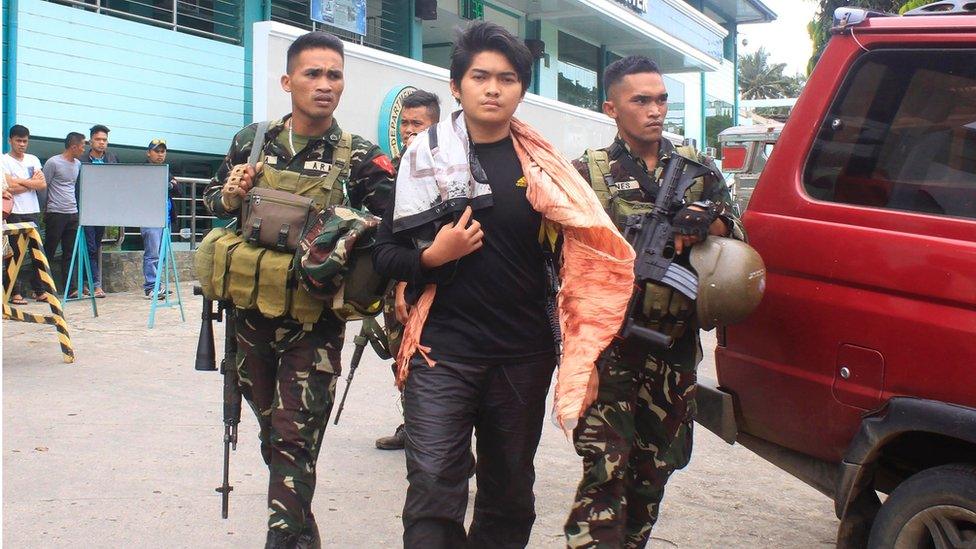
(901,135)
(578,66)
(387,23)
(217,19)
(674,122)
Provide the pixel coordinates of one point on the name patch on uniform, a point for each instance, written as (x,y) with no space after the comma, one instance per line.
(317,166)
(627,185)
(272,160)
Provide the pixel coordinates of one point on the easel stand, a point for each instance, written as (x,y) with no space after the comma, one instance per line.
(24,238)
(84,270)
(164,270)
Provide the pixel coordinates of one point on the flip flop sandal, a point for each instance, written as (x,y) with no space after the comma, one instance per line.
(18,300)
(99,293)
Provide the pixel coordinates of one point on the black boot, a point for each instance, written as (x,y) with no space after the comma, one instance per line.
(309,539)
(279,539)
(394,442)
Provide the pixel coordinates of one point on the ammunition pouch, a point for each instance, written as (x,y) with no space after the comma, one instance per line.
(257,268)
(252,277)
(666,310)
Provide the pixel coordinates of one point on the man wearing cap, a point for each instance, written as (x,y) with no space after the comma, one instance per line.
(152,237)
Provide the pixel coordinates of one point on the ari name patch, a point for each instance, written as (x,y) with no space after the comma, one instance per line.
(317,166)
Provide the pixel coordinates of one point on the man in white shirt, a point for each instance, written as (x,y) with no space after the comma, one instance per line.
(25,178)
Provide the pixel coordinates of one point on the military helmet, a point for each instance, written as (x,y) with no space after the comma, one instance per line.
(731,280)
(334,255)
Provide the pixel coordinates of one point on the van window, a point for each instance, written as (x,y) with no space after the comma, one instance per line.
(901,135)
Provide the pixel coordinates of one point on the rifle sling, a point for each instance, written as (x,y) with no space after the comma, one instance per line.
(647,184)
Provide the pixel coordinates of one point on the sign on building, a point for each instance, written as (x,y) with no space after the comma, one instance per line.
(348,15)
(640,6)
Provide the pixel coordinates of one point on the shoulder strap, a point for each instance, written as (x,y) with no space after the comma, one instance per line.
(331,183)
(257,147)
(598,162)
(340,165)
(695,192)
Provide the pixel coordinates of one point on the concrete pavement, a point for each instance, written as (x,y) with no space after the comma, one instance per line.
(123,449)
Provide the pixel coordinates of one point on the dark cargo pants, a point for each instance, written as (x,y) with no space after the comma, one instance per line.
(505,406)
(631,439)
(288,375)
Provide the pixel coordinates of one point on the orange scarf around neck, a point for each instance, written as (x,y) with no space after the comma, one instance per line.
(596,275)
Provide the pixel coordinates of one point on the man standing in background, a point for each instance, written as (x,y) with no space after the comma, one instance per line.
(61,215)
(24,177)
(98,153)
(421,110)
(152,237)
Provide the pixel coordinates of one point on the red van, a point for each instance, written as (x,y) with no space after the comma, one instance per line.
(857,372)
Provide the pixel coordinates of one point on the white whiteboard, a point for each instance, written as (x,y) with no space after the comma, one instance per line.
(133,195)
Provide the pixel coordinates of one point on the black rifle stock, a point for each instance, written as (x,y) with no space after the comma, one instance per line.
(231,388)
(651,235)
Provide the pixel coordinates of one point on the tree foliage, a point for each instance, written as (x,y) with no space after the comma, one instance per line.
(760,79)
(819,27)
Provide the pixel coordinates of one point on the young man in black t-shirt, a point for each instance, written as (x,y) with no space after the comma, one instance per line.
(486,329)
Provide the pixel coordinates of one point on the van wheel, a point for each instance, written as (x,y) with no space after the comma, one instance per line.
(934,508)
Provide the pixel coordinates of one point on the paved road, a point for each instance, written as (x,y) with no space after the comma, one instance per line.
(123,449)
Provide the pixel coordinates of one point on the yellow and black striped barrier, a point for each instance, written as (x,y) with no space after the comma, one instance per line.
(24,237)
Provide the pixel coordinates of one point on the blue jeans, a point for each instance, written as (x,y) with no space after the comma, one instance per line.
(93,238)
(152,238)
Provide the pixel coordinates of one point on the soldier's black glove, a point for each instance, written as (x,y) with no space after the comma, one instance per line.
(695,220)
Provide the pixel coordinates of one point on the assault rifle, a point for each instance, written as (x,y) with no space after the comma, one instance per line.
(228,368)
(371,333)
(651,236)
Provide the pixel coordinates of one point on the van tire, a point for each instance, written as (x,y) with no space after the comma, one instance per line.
(940,501)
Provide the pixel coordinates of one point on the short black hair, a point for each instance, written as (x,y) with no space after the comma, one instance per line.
(98,128)
(73,139)
(634,64)
(423,98)
(485,36)
(312,41)
(18,131)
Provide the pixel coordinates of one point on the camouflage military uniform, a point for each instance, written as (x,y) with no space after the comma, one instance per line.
(288,370)
(639,430)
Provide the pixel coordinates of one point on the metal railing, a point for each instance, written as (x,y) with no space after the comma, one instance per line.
(193,220)
(217,19)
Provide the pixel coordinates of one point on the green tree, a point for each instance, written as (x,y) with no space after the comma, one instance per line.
(912,4)
(758,79)
(819,27)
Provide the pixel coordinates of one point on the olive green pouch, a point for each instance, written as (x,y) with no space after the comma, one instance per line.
(223,248)
(242,282)
(273,290)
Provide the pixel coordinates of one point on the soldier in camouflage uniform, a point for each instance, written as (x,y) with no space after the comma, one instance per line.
(639,430)
(288,370)
(421,110)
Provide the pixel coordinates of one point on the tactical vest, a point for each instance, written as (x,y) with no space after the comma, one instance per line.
(253,277)
(664,309)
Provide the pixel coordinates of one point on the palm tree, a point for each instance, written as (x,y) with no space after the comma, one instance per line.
(758,79)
